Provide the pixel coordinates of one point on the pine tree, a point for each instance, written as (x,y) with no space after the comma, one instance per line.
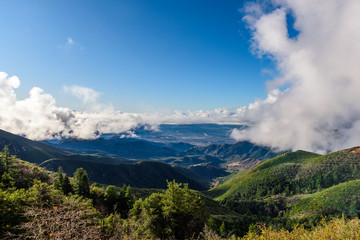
(59,179)
(129,198)
(66,186)
(81,183)
(7,160)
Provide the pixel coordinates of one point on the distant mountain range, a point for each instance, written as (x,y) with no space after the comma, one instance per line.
(111,170)
(201,134)
(116,160)
(241,155)
(117,147)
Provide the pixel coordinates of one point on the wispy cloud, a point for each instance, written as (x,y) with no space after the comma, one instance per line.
(69,41)
(85,94)
(71,44)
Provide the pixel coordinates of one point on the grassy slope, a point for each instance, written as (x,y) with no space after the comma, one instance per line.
(294,188)
(344,197)
(258,175)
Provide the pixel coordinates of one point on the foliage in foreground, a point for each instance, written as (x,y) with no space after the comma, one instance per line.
(335,229)
(338,228)
(38,204)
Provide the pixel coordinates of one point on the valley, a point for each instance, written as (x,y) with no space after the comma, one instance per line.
(240,184)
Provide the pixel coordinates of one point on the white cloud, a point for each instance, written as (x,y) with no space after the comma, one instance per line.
(86,95)
(38,117)
(320,110)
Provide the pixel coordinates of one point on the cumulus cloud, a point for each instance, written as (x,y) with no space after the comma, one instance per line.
(320,108)
(38,117)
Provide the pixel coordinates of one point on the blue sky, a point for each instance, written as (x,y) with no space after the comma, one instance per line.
(142,56)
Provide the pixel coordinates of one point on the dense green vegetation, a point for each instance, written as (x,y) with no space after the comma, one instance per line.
(344,198)
(39,204)
(294,188)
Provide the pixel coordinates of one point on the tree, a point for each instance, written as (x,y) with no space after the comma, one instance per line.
(81,183)
(59,179)
(153,215)
(62,182)
(66,185)
(184,210)
(125,201)
(129,198)
(111,195)
(7,160)
(177,213)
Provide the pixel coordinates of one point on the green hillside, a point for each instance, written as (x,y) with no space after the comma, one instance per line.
(344,198)
(28,150)
(146,174)
(266,178)
(294,188)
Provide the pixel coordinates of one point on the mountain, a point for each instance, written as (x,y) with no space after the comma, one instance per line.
(117,147)
(289,172)
(179,146)
(242,149)
(239,156)
(144,174)
(205,174)
(344,198)
(295,188)
(106,169)
(196,134)
(29,150)
(194,160)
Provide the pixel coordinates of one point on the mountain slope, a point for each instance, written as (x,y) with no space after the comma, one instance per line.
(291,173)
(238,156)
(28,150)
(145,174)
(242,149)
(344,197)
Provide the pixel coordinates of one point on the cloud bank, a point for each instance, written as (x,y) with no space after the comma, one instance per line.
(38,117)
(314,104)
(319,68)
